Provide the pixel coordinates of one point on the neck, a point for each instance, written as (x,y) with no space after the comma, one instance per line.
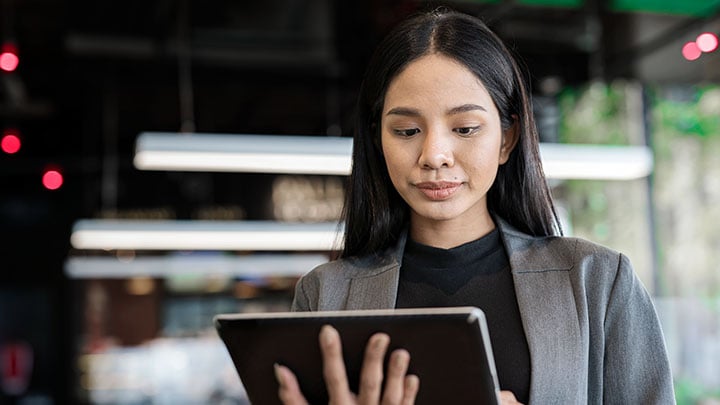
(449,234)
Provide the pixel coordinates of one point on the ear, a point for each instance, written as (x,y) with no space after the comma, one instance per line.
(510,138)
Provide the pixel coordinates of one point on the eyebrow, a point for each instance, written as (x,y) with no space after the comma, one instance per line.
(465,108)
(412,112)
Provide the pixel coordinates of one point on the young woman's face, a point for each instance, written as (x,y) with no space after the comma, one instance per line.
(442,141)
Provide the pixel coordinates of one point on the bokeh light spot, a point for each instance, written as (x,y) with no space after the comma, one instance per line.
(690,51)
(707,42)
(52,179)
(10,143)
(9,59)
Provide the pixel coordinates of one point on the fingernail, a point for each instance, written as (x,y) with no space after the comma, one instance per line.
(278,377)
(326,335)
(381,340)
(401,356)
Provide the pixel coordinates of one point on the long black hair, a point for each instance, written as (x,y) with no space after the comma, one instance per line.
(374,214)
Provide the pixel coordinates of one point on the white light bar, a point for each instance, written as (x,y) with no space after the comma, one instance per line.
(243,153)
(175,265)
(595,162)
(332,156)
(205,235)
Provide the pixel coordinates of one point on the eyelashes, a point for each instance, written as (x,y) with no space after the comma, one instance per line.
(406,132)
(462,131)
(467,131)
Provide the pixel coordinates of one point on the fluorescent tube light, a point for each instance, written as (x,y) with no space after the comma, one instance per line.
(205,235)
(595,162)
(332,156)
(259,265)
(243,153)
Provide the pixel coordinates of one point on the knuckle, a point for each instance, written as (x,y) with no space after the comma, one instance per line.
(371,383)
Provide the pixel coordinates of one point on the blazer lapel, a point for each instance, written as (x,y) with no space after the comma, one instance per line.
(541,273)
(378,291)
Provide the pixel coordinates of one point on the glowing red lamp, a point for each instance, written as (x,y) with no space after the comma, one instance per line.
(10,142)
(52,179)
(9,58)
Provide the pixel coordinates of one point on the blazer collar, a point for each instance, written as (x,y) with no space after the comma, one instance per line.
(374,280)
(528,253)
(541,268)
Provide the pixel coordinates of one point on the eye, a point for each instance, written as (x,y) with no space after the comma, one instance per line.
(407,132)
(466,131)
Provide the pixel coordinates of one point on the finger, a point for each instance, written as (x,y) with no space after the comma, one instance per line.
(412,386)
(289,389)
(395,380)
(508,398)
(334,366)
(371,375)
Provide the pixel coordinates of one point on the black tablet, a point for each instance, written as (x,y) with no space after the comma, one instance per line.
(449,349)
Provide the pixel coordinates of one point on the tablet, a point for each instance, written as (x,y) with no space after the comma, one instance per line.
(449,350)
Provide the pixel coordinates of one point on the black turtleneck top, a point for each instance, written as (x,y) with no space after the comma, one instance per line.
(474,274)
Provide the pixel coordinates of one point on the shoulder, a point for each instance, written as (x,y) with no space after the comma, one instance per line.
(543,253)
(596,274)
(584,249)
(328,284)
(591,266)
(352,267)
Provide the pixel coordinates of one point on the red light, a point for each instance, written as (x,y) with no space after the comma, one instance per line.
(707,42)
(690,51)
(52,179)
(16,363)
(9,59)
(10,142)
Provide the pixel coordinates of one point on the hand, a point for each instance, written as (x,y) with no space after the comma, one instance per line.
(400,388)
(508,398)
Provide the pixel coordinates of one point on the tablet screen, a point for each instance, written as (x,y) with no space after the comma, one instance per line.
(449,349)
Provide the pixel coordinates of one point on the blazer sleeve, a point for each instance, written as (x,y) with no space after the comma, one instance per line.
(636,367)
(301,300)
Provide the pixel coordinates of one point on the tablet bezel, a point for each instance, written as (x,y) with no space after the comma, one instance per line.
(290,338)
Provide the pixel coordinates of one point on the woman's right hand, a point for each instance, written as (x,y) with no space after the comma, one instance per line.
(400,388)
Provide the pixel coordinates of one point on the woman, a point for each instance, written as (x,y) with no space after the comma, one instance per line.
(447,205)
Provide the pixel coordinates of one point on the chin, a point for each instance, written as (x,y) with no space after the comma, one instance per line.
(437,213)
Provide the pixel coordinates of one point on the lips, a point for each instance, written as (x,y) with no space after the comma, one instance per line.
(438,190)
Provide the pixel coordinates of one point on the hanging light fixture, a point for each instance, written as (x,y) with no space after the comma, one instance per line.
(205,235)
(243,153)
(332,156)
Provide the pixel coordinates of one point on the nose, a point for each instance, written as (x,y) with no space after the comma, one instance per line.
(437,151)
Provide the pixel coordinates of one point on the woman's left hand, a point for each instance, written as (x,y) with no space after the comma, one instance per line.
(400,388)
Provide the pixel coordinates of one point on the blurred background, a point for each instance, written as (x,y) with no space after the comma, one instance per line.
(630,88)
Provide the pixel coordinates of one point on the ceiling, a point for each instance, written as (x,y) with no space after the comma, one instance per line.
(93,75)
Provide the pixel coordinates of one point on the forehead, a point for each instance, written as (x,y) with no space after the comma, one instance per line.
(435,79)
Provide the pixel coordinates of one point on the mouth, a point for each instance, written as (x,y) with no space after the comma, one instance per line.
(438,191)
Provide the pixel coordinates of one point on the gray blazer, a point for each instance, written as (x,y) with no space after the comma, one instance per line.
(591,327)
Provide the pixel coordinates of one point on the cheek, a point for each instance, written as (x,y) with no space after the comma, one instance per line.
(391,152)
(392,163)
(395,163)
(481,160)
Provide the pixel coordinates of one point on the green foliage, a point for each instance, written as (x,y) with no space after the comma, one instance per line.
(688,392)
(594,113)
(686,111)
